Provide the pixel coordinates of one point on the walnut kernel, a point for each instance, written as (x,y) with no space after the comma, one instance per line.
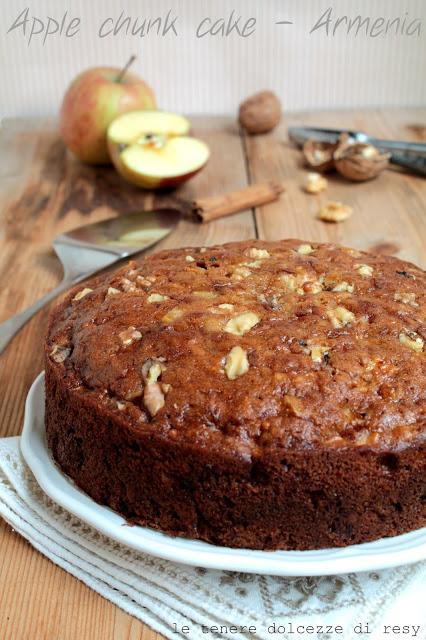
(153,398)
(317,352)
(412,340)
(130,335)
(82,293)
(340,317)
(343,286)
(236,363)
(364,270)
(319,155)
(172,315)
(241,324)
(305,249)
(406,298)
(157,297)
(335,212)
(315,183)
(59,353)
(258,253)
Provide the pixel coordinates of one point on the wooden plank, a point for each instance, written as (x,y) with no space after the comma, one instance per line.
(388,211)
(43,192)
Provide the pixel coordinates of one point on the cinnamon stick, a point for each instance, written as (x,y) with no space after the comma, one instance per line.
(207,209)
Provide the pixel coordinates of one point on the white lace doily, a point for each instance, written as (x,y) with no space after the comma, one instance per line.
(167,596)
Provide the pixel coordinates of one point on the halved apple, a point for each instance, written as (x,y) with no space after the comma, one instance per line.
(151,149)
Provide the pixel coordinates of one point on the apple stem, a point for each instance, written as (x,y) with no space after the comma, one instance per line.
(124,69)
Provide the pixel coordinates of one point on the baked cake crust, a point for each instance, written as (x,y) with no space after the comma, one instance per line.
(255,394)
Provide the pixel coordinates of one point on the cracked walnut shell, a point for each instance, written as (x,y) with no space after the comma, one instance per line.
(359,162)
(319,155)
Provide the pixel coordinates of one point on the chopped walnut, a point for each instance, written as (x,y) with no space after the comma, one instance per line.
(412,340)
(204,294)
(300,283)
(364,437)
(256,264)
(289,281)
(189,259)
(240,273)
(335,212)
(112,291)
(340,317)
(317,352)
(154,372)
(343,286)
(315,183)
(311,287)
(271,302)
(153,393)
(130,335)
(239,325)
(157,297)
(152,369)
(364,270)
(305,249)
(59,353)
(82,293)
(406,298)
(134,393)
(236,363)
(128,285)
(257,253)
(153,398)
(143,282)
(172,315)
(295,404)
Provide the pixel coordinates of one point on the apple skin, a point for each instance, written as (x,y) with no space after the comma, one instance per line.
(93,100)
(145,181)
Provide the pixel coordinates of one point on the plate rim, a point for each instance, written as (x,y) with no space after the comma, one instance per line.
(331,561)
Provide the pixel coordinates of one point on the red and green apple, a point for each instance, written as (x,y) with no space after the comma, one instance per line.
(93,100)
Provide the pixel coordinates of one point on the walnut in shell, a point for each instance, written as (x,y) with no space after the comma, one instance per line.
(260,113)
(358,161)
(319,155)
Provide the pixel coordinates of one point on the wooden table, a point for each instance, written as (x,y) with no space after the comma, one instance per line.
(43,191)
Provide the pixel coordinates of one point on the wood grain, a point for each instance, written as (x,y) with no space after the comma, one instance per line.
(43,191)
(389,212)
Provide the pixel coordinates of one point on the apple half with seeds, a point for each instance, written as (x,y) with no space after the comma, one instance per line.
(151,149)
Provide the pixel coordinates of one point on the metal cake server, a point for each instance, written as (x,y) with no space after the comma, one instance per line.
(88,249)
(410,155)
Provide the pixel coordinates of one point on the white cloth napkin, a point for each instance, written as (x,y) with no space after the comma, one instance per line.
(169,596)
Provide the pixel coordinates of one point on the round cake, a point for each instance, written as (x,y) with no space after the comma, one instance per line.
(266,395)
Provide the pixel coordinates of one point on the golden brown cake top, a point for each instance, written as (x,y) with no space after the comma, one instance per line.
(253,345)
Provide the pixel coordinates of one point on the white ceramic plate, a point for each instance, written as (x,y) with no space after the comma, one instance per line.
(388,552)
